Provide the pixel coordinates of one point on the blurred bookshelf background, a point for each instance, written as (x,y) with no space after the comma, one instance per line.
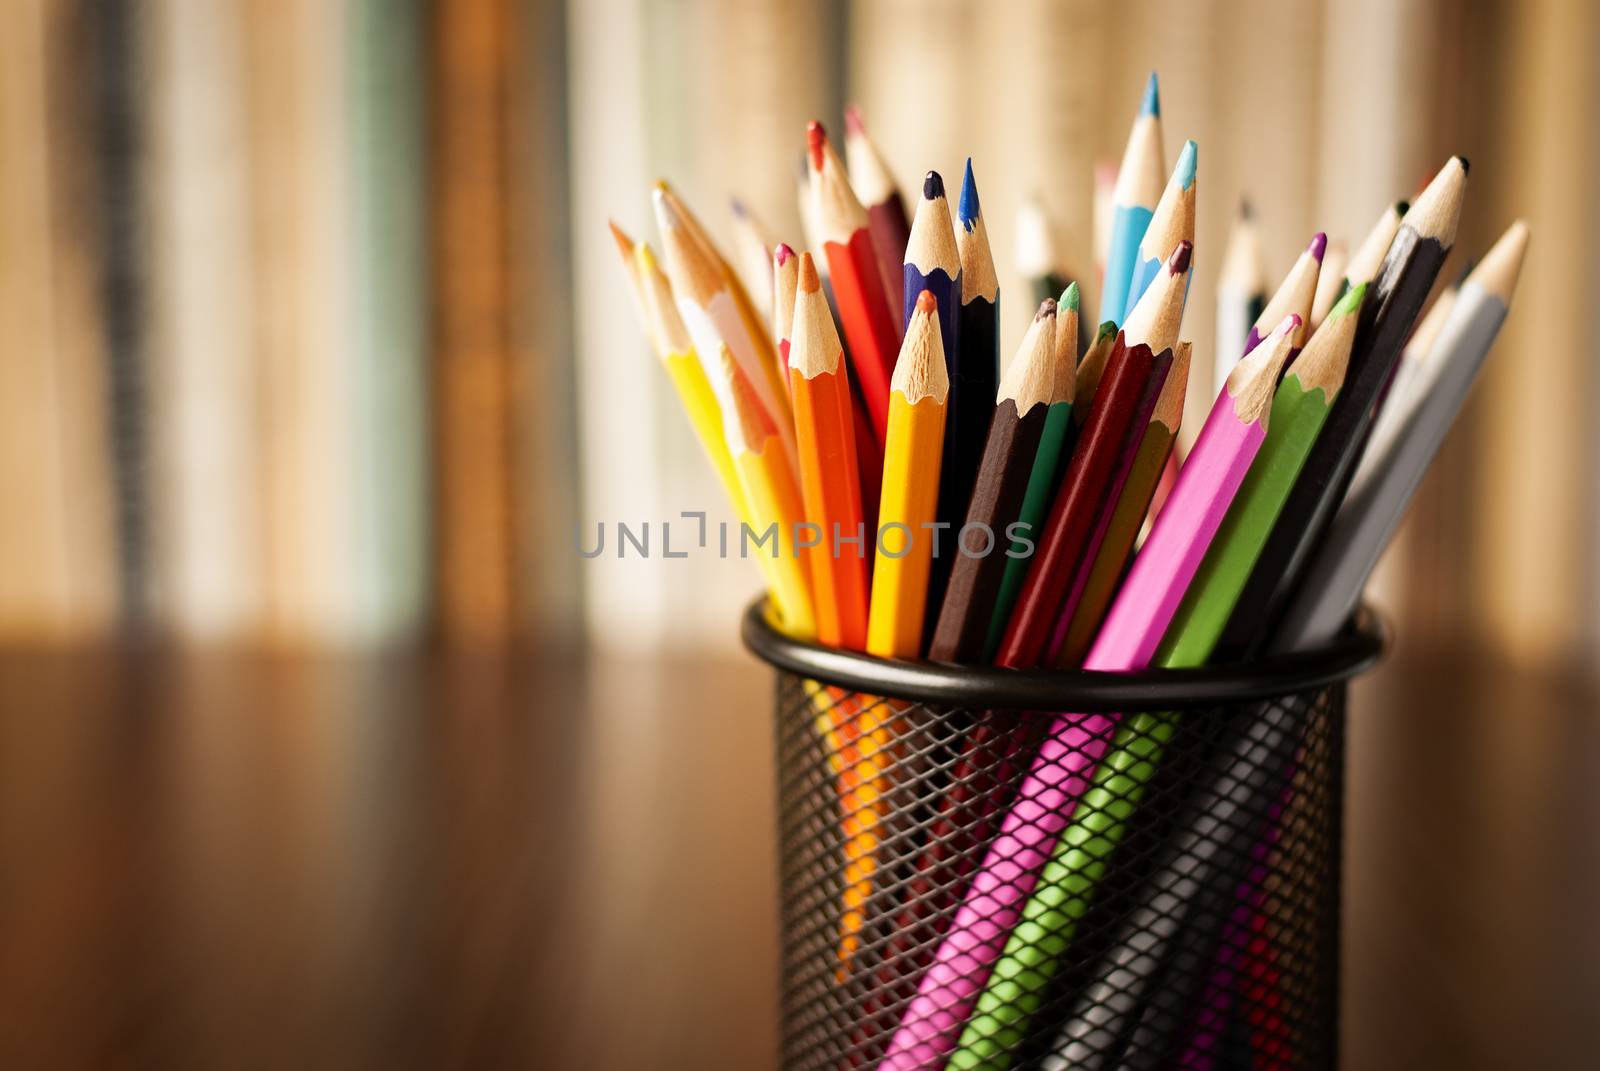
(313,336)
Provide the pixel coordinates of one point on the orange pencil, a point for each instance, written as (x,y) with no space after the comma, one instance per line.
(829,486)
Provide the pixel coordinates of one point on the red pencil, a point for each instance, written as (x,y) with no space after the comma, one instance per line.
(875,186)
(1074,514)
(871,325)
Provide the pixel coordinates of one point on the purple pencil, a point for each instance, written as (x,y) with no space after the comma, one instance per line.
(1066,761)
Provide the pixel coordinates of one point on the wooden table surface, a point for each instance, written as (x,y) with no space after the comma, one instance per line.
(246,861)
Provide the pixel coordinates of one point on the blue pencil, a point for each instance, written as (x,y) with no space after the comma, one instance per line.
(1133,202)
(933,264)
(1171,223)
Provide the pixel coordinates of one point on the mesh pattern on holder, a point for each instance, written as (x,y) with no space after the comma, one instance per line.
(1187,917)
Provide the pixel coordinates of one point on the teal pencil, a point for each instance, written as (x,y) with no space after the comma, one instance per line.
(1043,478)
(1171,223)
(1133,202)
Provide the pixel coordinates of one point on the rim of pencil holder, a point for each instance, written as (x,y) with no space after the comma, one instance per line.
(1356,649)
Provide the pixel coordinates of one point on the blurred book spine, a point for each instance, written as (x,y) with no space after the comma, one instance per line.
(389,423)
(206,430)
(57,577)
(469,67)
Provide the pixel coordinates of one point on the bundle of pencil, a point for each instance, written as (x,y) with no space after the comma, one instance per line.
(926,508)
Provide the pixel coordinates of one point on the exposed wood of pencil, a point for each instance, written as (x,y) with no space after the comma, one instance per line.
(1038,254)
(1090,369)
(1054,448)
(754,323)
(829,483)
(933,264)
(1294,295)
(752,250)
(1367,520)
(1387,315)
(1299,411)
(785,276)
(1369,255)
(1139,183)
(876,188)
(1330,283)
(1008,455)
(1172,222)
(712,315)
(1241,295)
(865,311)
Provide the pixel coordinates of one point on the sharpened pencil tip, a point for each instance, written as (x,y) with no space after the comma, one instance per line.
(1466,165)
(1318,246)
(852,120)
(624,243)
(926,303)
(1047,308)
(816,142)
(1070,297)
(1151,104)
(1107,330)
(932,186)
(1350,302)
(808,280)
(969,209)
(1178,262)
(782,253)
(1188,160)
(1247,210)
(737,207)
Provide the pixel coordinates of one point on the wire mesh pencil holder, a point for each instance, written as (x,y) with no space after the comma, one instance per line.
(1186,912)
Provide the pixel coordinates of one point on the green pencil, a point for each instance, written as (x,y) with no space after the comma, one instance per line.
(1042,478)
(1067,883)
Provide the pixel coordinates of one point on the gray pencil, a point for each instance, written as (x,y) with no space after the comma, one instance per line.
(1369,515)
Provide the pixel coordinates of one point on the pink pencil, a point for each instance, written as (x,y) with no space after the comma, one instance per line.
(1062,770)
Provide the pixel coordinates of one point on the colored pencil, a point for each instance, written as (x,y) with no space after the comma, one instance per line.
(1054,446)
(755,328)
(1299,411)
(974,378)
(933,264)
(1046,799)
(875,186)
(1139,182)
(829,480)
(711,313)
(770,493)
(1294,295)
(785,277)
(1387,315)
(1330,283)
(1090,371)
(962,623)
(1127,517)
(1142,614)
(1368,257)
(865,311)
(917,399)
(673,348)
(1401,394)
(752,250)
(1114,422)
(1241,294)
(1154,322)
(1172,222)
(897,593)
(1038,255)
(1369,516)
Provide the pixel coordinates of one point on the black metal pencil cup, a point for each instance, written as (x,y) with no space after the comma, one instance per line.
(1186,912)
